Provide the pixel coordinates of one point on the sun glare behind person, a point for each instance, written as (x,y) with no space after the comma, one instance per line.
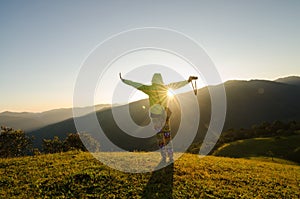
(170,94)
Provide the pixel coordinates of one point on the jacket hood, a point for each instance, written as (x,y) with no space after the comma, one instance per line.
(157,79)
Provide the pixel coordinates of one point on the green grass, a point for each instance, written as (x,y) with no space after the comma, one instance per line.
(79,175)
(273,160)
(280,148)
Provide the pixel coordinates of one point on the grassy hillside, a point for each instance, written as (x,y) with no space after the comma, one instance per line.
(78,175)
(278,147)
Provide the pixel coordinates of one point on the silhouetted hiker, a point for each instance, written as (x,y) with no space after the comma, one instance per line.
(159,111)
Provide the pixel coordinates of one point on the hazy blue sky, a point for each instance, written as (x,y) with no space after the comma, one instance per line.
(43,43)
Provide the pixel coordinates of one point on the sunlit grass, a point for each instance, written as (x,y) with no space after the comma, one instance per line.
(80,175)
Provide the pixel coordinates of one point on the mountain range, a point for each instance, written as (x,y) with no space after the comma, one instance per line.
(29,121)
(248,103)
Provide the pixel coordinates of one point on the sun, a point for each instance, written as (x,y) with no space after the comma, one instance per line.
(170,93)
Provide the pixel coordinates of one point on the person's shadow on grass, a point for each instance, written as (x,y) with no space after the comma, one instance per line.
(160,184)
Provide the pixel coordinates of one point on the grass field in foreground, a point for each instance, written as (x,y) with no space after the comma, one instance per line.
(79,175)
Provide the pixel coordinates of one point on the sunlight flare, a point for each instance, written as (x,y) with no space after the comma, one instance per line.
(170,93)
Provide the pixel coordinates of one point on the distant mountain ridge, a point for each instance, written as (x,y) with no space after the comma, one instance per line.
(29,121)
(248,102)
(293,80)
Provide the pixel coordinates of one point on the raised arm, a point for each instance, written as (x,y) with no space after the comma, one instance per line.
(136,85)
(176,85)
(180,84)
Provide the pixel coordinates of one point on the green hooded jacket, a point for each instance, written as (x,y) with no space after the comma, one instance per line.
(157,91)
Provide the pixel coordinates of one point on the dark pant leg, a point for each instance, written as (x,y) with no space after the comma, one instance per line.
(165,141)
(161,144)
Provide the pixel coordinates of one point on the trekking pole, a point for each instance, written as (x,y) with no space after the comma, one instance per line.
(195,84)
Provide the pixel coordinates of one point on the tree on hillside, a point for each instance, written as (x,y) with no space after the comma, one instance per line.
(52,146)
(74,141)
(77,141)
(14,143)
(89,141)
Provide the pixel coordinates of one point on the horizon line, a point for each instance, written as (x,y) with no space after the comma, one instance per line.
(122,103)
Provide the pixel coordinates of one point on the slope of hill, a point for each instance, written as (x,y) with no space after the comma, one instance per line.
(287,148)
(30,121)
(248,103)
(79,175)
(255,101)
(293,80)
(17,122)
